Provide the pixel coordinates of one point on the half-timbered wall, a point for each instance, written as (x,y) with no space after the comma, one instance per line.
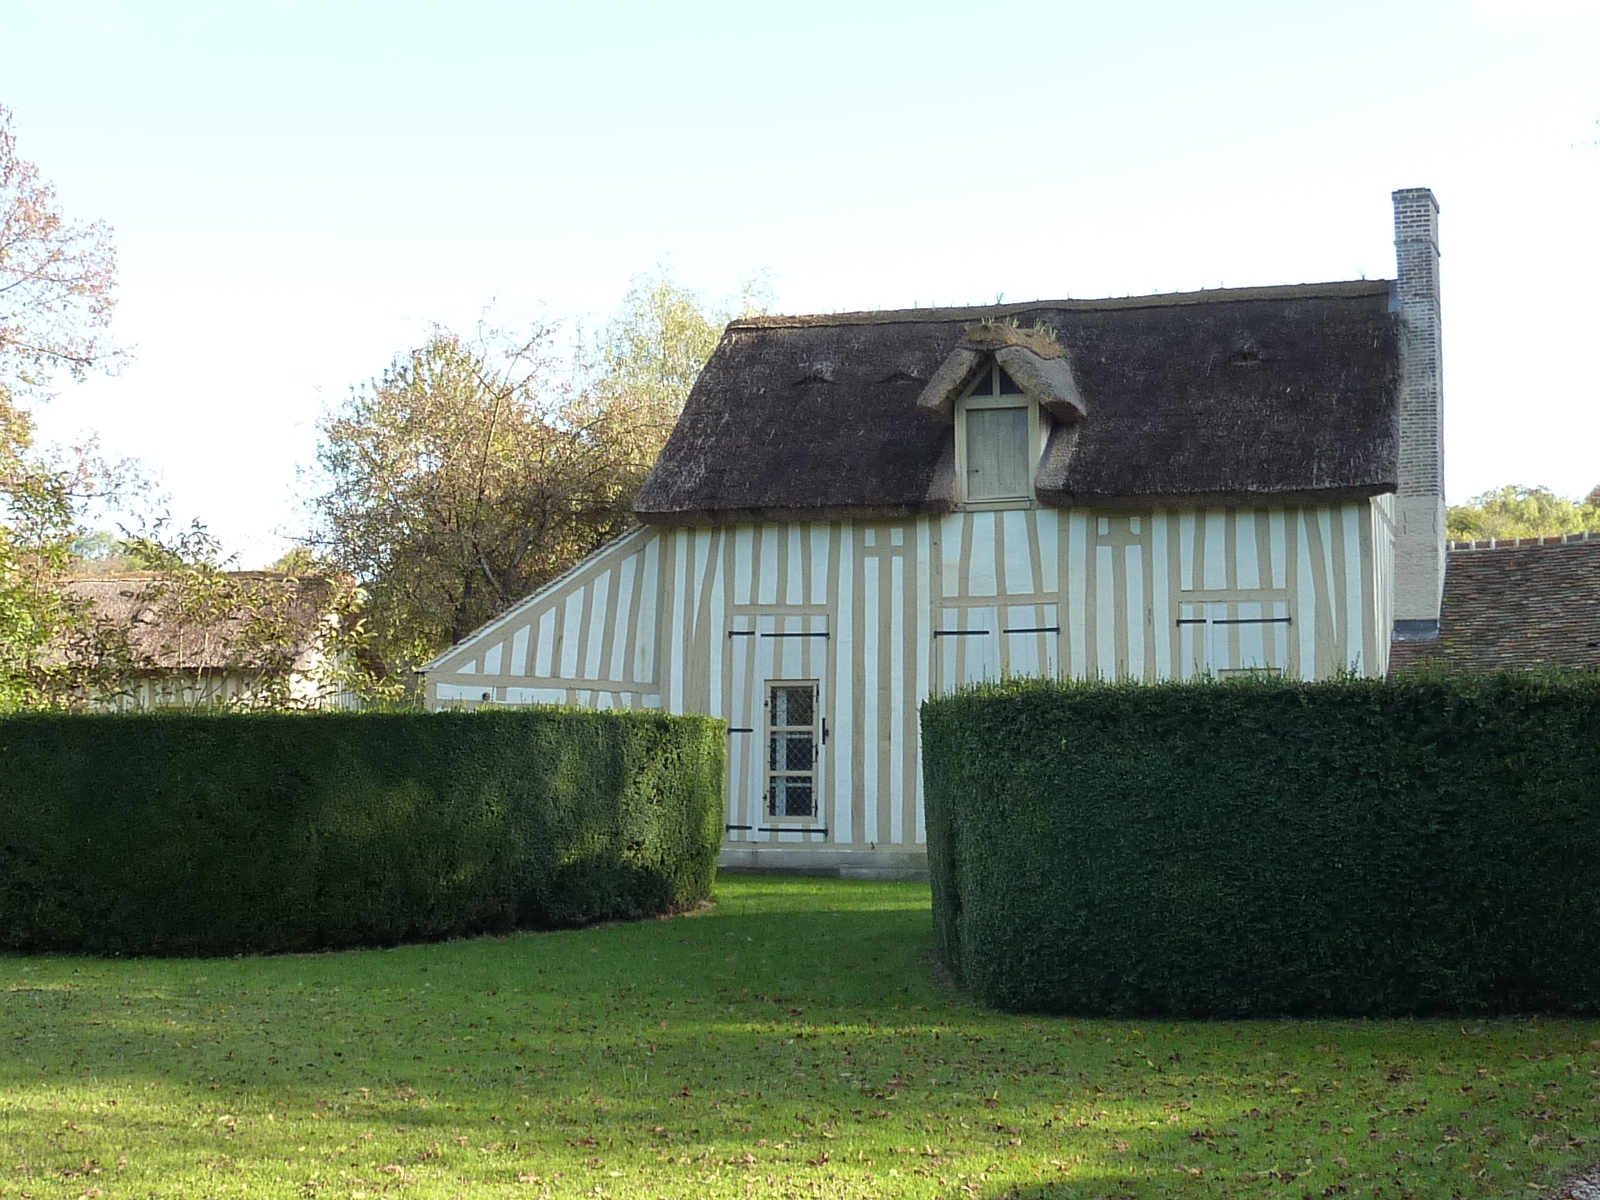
(588,639)
(879,616)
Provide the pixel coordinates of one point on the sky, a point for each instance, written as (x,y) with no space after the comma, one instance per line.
(301,190)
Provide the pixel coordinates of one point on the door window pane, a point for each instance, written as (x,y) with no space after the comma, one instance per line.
(791,752)
(794,705)
(793,796)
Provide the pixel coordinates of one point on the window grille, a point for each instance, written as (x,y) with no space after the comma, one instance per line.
(792,750)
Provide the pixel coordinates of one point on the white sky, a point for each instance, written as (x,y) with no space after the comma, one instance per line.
(299,189)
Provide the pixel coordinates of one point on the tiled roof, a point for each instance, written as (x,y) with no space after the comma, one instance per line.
(1527,602)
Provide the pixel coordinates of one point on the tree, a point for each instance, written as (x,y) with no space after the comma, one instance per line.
(56,281)
(463,477)
(473,471)
(302,560)
(56,285)
(1516,511)
(654,349)
(52,648)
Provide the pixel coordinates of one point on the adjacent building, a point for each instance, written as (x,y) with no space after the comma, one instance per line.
(1523,603)
(234,638)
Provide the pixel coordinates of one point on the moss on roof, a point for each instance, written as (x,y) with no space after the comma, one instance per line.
(997,335)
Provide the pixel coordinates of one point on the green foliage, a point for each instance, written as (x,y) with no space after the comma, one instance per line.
(1515,511)
(475,470)
(53,650)
(302,560)
(653,350)
(420,465)
(36,534)
(1262,847)
(219,834)
(460,480)
(57,279)
(98,546)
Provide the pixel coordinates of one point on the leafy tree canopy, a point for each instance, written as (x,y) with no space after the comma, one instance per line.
(474,470)
(651,352)
(56,285)
(1516,511)
(458,480)
(303,560)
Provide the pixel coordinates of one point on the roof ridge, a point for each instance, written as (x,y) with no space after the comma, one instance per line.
(1346,287)
(1554,539)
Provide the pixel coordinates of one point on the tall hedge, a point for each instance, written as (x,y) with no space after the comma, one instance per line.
(219,834)
(1254,848)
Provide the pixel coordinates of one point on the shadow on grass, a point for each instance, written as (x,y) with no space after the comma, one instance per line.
(795,1028)
(305,1021)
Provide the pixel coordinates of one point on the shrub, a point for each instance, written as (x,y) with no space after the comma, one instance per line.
(1252,848)
(219,834)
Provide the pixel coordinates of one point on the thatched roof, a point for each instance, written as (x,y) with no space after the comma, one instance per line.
(135,603)
(1233,396)
(1528,603)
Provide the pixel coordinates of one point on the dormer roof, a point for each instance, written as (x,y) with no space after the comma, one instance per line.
(1246,396)
(1030,357)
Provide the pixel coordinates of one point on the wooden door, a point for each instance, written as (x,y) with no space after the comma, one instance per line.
(778,727)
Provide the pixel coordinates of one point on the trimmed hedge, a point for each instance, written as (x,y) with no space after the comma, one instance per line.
(1400,846)
(187,834)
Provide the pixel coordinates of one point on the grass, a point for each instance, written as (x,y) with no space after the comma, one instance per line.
(789,1042)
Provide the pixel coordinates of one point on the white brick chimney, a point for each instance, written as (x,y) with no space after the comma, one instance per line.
(1419,553)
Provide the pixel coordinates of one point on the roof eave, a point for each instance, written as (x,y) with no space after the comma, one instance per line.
(768,515)
(1345,494)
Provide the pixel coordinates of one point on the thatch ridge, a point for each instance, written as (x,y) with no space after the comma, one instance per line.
(994,312)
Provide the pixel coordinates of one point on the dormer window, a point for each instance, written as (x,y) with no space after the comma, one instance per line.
(1010,394)
(998,436)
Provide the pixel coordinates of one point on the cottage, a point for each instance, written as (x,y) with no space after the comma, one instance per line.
(857,511)
(243,639)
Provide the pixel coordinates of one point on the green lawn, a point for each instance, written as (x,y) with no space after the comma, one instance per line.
(789,1042)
